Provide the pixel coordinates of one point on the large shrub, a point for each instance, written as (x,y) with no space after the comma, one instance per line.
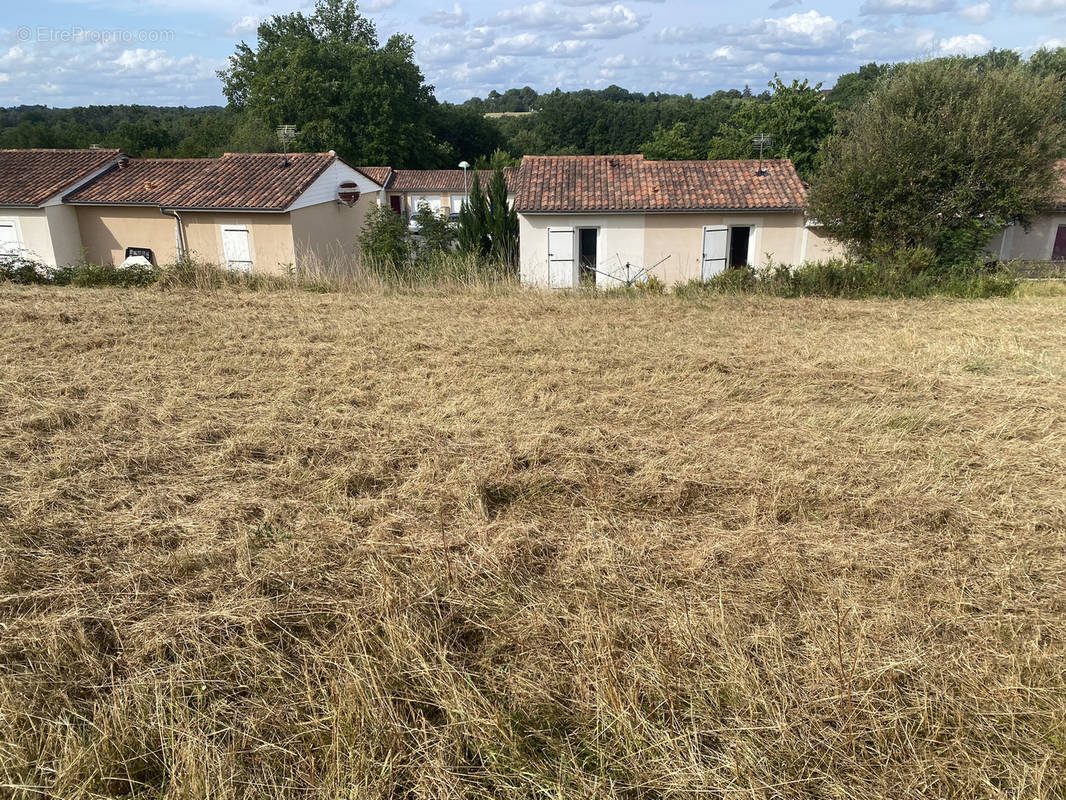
(941,157)
(384,243)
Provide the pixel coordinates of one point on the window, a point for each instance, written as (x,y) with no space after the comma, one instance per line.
(236,248)
(10,244)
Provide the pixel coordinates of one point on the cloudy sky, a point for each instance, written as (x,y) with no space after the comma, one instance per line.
(159,52)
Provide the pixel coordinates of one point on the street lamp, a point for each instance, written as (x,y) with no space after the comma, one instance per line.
(464,166)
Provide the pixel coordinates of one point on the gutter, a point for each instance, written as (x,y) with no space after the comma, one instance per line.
(182,247)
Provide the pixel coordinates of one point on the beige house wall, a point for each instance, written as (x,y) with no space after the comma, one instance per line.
(1035,245)
(778,236)
(106,232)
(327,234)
(819,247)
(269,237)
(620,241)
(65,234)
(32,227)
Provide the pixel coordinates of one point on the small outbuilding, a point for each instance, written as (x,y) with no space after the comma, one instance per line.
(599,220)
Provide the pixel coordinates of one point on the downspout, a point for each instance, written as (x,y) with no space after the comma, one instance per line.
(182,248)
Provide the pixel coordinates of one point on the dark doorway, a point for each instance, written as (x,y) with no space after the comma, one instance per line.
(1058,253)
(738,246)
(586,254)
(395,202)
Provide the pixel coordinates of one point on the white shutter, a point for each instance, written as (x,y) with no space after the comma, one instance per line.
(236,248)
(9,238)
(431,200)
(561,272)
(715,247)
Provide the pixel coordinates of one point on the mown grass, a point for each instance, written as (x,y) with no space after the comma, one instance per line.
(517,545)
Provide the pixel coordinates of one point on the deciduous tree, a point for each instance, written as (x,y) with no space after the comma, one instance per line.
(942,156)
(327,74)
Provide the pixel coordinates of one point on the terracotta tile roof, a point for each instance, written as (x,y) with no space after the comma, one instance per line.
(630,183)
(29,177)
(444,180)
(379,175)
(260,182)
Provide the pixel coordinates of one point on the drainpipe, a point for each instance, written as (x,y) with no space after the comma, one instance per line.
(182,248)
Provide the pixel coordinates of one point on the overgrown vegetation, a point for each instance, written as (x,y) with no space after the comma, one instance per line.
(307,546)
(858,279)
(391,257)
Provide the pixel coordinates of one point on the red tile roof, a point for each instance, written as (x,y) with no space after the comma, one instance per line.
(434,180)
(30,177)
(585,184)
(379,175)
(238,181)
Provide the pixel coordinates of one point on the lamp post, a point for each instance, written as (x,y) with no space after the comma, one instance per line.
(464,166)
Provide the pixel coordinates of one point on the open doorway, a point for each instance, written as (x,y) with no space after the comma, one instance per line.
(739,241)
(587,239)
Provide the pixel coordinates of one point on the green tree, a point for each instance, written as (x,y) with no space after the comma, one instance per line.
(502,221)
(852,88)
(384,243)
(796,117)
(675,144)
(436,229)
(327,75)
(474,232)
(942,156)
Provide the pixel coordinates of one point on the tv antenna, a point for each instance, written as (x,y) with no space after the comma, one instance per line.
(286,136)
(762,143)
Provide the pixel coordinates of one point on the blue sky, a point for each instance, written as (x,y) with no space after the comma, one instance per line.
(159,52)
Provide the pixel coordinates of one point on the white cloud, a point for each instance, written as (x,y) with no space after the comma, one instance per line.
(1038,6)
(906,6)
(568,48)
(455,18)
(373,6)
(977,13)
(587,22)
(522,44)
(455,47)
(970,44)
(246,24)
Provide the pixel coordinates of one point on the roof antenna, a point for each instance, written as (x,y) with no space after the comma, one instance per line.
(762,143)
(286,135)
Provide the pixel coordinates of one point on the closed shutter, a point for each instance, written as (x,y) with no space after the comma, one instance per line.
(236,248)
(715,247)
(9,239)
(561,272)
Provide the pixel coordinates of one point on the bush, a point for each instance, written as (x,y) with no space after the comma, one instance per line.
(856,279)
(24,269)
(384,243)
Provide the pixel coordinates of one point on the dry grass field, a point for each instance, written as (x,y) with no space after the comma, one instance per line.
(283,545)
